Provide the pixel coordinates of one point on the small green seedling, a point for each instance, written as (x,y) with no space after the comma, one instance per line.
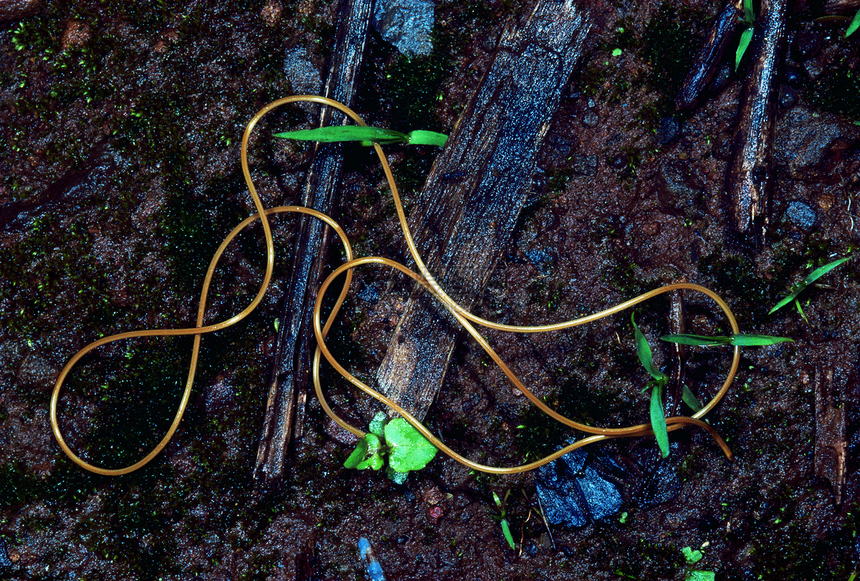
(659,380)
(693,556)
(746,36)
(365,135)
(503,521)
(405,447)
(736,340)
(813,276)
(855,24)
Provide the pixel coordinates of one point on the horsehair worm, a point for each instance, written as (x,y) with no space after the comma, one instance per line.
(321,330)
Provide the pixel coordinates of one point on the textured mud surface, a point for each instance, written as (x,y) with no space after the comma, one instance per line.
(120,126)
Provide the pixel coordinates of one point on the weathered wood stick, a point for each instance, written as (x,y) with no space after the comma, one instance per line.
(291,364)
(748,175)
(831,441)
(710,56)
(463,225)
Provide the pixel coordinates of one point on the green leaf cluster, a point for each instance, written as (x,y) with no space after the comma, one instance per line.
(657,384)
(365,135)
(404,446)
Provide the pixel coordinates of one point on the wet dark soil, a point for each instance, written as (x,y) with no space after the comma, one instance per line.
(120,126)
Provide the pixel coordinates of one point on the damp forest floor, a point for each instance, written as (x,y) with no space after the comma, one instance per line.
(120,128)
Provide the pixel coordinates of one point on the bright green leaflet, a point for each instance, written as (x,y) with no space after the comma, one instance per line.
(365,135)
(813,276)
(407,448)
(855,24)
(738,340)
(659,381)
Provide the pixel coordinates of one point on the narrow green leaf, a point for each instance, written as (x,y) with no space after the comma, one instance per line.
(689,398)
(658,420)
(506,530)
(704,340)
(407,448)
(749,14)
(855,24)
(345,133)
(643,350)
(421,137)
(811,278)
(758,340)
(743,43)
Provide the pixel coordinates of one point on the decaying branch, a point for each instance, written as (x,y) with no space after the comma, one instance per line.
(291,364)
(748,178)
(463,225)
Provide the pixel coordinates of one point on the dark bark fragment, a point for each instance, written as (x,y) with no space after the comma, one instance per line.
(461,226)
(710,57)
(289,374)
(748,178)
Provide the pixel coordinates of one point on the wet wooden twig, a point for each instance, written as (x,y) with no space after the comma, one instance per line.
(748,178)
(463,225)
(710,57)
(677,326)
(289,374)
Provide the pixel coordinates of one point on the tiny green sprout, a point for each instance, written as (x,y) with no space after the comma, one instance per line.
(405,447)
(693,556)
(855,24)
(502,518)
(657,383)
(365,135)
(813,276)
(616,52)
(746,35)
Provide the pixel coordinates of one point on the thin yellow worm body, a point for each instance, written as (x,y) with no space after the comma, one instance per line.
(423,277)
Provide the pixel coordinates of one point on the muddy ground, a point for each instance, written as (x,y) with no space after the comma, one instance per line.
(120,128)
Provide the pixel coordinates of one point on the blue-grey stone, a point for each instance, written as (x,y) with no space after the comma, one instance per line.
(802,215)
(406,24)
(574,493)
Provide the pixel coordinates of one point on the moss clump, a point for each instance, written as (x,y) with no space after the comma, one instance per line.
(836,90)
(670,42)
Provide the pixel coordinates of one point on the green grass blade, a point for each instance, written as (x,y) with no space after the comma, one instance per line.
(658,420)
(687,339)
(506,530)
(758,340)
(743,43)
(347,133)
(421,137)
(643,350)
(813,276)
(855,24)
